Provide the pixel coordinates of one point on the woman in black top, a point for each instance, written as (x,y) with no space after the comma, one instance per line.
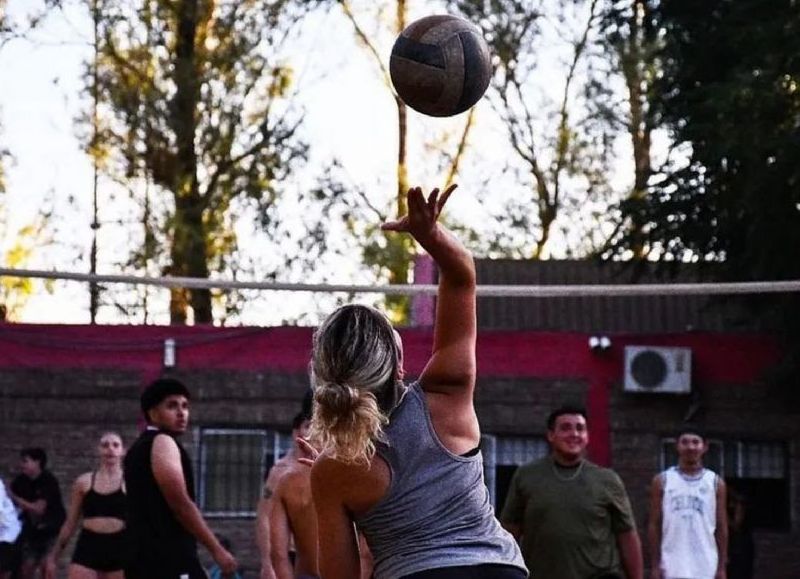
(98,498)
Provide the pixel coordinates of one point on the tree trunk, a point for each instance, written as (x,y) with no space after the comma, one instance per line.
(399,266)
(189,256)
(633,63)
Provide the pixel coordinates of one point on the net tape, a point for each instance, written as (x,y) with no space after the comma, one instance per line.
(528,291)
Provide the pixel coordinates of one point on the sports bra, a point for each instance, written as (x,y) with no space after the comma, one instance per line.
(104,504)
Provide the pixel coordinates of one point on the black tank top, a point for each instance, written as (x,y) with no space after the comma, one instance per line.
(156,539)
(104,504)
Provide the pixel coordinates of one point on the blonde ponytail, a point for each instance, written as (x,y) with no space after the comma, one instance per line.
(355,373)
(346,422)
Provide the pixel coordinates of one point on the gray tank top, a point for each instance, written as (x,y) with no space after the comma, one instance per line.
(436,512)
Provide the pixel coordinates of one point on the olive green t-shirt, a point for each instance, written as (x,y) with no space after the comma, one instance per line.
(569,518)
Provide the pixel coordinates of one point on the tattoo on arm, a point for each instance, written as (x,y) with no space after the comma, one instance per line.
(266,494)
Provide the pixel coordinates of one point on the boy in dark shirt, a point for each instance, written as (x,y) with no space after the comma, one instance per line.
(164,523)
(37,494)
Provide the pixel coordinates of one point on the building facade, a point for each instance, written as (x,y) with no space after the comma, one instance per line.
(62,386)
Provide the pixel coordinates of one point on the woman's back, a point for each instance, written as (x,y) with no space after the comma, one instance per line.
(436,511)
(422,507)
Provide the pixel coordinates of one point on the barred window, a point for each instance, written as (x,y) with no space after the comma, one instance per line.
(502,455)
(233,464)
(757,471)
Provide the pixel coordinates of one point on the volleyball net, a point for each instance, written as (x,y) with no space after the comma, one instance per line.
(483,290)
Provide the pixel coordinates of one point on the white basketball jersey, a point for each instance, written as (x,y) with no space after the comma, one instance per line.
(689,507)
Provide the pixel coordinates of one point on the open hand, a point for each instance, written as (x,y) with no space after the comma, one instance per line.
(422,213)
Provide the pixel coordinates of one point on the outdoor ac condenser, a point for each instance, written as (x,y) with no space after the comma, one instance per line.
(658,370)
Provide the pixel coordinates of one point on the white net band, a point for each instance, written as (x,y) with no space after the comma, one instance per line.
(529,291)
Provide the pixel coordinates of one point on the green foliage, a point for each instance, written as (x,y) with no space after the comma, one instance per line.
(547,56)
(729,93)
(194,97)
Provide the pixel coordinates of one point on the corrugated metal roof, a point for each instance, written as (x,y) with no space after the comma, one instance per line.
(618,314)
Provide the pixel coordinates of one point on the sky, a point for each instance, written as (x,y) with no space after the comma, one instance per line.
(349,114)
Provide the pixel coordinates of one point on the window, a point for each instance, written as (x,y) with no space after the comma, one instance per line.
(502,455)
(756,470)
(233,463)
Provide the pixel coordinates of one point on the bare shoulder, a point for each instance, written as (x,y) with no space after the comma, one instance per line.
(280,468)
(292,477)
(329,471)
(165,450)
(356,486)
(333,478)
(83,483)
(274,476)
(163,440)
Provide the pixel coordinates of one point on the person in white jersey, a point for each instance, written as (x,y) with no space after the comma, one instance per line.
(688,528)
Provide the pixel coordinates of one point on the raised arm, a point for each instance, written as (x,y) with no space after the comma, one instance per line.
(451,369)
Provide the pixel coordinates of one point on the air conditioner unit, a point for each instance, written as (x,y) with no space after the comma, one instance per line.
(658,370)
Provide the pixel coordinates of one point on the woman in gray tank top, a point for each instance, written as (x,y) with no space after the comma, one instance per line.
(401,463)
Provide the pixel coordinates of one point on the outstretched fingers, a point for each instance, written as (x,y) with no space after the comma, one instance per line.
(433,196)
(416,200)
(421,208)
(396,225)
(446,195)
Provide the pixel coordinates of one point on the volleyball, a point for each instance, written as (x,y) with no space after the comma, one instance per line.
(440,65)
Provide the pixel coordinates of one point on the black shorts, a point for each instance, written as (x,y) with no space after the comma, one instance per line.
(100,551)
(491,571)
(190,569)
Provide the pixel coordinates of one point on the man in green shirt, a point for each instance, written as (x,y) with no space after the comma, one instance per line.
(572,518)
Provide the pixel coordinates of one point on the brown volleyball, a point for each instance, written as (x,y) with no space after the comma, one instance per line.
(440,65)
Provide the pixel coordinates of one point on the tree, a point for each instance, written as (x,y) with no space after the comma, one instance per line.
(375,25)
(193,98)
(572,87)
(18,248)
(729,94)
(630,40)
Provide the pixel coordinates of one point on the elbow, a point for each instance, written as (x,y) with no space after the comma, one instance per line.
(184,510)
(463,280)
(468,277)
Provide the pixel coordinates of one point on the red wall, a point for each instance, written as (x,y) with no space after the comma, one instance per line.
(716,358)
